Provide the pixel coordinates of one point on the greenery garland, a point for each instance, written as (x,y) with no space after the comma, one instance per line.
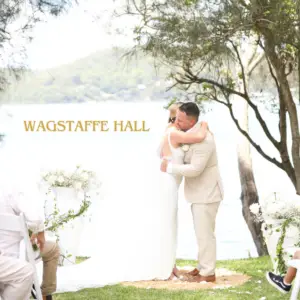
(55,221)
(286,213)
(58,220)
(281,266)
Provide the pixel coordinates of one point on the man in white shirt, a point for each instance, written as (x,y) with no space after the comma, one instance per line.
(16,277)
(26,200)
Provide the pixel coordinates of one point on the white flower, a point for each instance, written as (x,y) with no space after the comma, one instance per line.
(274,208)
(44,174)
(85,176)
(254,208)
(77,185)
(185,147)
(60,179)
(52,179)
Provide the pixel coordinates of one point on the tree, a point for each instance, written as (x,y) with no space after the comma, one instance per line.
(17,18)
(201,42)
(249,193)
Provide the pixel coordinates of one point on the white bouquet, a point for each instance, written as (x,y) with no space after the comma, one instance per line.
(79,179)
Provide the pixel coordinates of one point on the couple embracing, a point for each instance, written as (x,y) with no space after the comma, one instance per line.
(137,238)
(197,162)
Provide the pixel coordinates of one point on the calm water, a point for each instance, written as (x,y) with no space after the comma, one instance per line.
(106,151)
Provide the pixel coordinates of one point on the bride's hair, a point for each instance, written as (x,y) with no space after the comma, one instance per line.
(173,109)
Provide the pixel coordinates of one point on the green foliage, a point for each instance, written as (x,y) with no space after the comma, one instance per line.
(103,76)
(25,14)
(172,101)
(280,263)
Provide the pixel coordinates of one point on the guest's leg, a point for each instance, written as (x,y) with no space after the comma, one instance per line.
(50,256)
(16,277)
(204,217)
(291,272)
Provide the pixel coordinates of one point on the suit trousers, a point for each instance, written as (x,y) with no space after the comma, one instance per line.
(50,256)
(204,218)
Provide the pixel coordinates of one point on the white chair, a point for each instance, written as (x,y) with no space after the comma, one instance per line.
(296,284)
(17,223)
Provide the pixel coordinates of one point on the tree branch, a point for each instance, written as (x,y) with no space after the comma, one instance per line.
(273,76)
(254,64)
(192,78)
(198,80)
(241,65)
(246,134)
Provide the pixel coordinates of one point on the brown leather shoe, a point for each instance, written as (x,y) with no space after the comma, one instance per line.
(200,278)
(194,272)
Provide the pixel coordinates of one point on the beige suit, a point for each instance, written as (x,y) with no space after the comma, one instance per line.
(203,189)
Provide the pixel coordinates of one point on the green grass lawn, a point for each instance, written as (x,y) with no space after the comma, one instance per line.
(256,288)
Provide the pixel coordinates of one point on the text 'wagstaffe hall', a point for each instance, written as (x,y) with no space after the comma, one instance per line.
(85,126)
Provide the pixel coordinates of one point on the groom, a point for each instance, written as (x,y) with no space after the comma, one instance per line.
(202,188)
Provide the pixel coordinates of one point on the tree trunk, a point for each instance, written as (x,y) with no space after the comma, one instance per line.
(249,193)
(286,95)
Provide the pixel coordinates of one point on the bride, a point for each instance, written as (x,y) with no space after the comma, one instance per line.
(135,235)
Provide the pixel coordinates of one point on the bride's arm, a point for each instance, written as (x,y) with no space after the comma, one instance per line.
(198,136)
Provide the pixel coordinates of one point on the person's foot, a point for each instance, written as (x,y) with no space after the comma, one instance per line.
(200,278)
(278,283)
(194,272)
(172,277)
(176,272)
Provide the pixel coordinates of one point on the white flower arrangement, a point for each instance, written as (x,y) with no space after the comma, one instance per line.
(278,216)
(80,179)
(276,209)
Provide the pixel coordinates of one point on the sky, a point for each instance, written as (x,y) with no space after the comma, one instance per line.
(83,30)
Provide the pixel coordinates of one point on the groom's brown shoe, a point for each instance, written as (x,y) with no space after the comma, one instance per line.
(194,272)
(200,278)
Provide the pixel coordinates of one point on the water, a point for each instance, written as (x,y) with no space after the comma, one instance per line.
(103,151)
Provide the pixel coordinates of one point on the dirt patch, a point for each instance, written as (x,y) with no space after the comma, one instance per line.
(224,279)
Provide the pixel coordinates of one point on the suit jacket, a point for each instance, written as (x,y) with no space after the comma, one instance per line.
(203,183)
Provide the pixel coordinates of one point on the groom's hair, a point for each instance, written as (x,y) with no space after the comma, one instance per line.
(191,109)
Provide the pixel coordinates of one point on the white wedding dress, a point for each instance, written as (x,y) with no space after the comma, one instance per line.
(135,230)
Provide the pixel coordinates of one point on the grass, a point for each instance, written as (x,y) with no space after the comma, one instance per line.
(256,288)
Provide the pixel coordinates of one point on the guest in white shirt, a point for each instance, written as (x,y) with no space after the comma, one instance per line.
(27,200)
(16,277)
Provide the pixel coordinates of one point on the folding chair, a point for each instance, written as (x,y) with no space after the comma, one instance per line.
(18,223)
(296,284)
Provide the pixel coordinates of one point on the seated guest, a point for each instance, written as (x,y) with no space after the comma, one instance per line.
(16,200)
(16,277)
(284,283)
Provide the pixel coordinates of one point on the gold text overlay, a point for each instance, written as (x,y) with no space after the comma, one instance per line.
(85,126)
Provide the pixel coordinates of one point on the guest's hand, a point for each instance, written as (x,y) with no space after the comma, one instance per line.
(164,165)
(33,238)
(41,240)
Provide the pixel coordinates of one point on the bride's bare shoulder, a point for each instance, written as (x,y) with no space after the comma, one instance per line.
(171,127)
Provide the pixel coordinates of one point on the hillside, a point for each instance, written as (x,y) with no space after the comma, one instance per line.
(102,76)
